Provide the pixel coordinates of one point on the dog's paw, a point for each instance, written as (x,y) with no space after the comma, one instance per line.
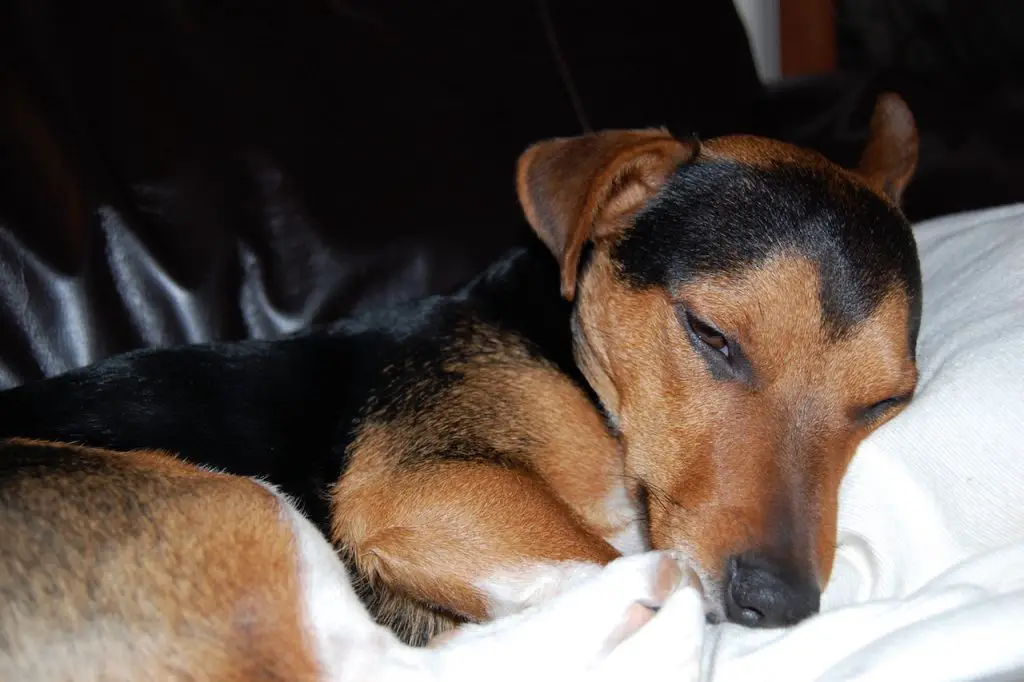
(669,646)
(633,613)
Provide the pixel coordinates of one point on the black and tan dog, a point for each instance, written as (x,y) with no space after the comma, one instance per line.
(721,324)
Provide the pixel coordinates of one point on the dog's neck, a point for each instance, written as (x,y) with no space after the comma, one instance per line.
(520,292)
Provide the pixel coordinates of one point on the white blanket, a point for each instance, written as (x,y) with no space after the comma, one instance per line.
(929,578)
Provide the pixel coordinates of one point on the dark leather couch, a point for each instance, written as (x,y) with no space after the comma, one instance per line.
(186,170)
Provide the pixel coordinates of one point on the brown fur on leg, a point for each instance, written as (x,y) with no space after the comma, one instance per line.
(508,416)
(432,536)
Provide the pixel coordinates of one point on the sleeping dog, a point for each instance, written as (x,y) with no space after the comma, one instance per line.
(685,359)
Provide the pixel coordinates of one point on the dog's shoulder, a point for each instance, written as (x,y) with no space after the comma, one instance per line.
(451,368)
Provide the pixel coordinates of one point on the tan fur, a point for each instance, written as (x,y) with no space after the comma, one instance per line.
(761,152)
(719,484)
(429,530)
(127,569)
(577,189)
(890,158)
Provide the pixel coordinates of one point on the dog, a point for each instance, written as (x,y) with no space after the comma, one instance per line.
(685,359)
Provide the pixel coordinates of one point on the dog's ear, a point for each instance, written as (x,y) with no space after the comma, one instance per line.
(889,160)
(584,188)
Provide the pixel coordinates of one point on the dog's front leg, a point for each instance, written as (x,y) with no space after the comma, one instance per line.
(473,539)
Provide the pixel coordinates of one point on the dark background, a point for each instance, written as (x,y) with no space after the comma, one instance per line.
(185,170)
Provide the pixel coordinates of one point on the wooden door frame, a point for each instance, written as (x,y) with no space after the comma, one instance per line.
(807,37)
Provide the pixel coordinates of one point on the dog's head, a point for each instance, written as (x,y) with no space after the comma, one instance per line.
(747,312)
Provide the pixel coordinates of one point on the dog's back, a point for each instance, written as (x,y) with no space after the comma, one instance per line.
(122,566)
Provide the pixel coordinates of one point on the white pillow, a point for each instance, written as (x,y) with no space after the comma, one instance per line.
(945,480)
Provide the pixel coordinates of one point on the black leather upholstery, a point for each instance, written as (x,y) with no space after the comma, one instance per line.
(186,170)
(201,169)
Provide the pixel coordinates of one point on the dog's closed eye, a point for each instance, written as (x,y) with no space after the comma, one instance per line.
(707,334)
(873,413)
(723,355)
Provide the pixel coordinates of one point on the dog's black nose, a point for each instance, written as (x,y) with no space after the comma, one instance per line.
(764,593)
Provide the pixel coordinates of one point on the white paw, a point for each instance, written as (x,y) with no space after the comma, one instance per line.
(593,630)
(669,647)
(512,590)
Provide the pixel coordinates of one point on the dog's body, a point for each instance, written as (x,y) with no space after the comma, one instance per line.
(733,318)
(139,566)
(481,380)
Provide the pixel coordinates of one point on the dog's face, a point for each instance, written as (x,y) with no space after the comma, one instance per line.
(747,313)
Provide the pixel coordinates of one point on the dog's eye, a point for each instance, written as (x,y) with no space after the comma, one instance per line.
(707,334)
(724,357)
(873,413)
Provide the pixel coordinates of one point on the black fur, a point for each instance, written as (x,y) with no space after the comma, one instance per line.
(726,216)
(285,409)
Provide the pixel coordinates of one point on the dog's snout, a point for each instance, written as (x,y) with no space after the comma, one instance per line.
(764,593)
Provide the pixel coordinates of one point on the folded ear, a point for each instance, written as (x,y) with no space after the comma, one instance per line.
(889,160)
(584,188)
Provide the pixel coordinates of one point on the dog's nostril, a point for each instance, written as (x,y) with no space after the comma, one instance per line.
(750,615)
(763,593)
(743,615)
